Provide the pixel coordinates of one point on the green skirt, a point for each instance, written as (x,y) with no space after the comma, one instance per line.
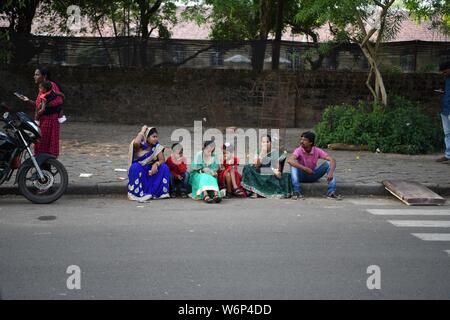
(202,182)
(267,186)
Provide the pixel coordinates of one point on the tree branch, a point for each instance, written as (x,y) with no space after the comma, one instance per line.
(154,8)
(368,36)
(378,3)
(151,30)
(168,64)
(362,26)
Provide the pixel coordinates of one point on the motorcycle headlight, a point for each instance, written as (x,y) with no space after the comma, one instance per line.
(29,134)
(34,126)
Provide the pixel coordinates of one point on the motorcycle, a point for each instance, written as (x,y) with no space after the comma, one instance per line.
(41,179)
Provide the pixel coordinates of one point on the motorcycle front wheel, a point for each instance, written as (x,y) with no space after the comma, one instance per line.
(45,191)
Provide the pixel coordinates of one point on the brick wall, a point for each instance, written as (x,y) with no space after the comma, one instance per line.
(224,97)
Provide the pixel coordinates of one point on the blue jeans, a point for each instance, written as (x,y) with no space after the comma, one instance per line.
(181,185)
(298,177)
(446,126)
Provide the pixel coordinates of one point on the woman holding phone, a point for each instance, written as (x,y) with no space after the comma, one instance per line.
(48,123)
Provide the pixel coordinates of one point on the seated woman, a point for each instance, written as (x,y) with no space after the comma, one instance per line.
(148,176)
(203,177)
(264,180)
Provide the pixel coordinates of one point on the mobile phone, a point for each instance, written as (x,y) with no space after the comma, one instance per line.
(439,91)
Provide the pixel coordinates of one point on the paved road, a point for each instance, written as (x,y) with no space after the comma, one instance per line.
(243,249)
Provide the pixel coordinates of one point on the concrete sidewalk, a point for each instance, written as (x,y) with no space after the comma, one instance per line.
(100,149)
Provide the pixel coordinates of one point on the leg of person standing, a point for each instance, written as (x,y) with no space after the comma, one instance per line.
(446,127)
(445,113)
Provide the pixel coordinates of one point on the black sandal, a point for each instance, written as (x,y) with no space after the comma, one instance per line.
(238,193)
(217,199)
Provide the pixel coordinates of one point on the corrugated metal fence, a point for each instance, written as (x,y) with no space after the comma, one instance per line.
(413,56)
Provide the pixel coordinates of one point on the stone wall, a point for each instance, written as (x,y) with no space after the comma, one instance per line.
(222,97)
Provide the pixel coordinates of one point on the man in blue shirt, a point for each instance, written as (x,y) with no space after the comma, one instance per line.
(445,113)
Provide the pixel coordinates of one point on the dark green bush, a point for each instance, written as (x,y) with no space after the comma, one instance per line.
(401,127)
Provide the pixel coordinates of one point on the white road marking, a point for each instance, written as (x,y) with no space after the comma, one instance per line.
(432,236)
(409,212)
(372,202)
(420,223)
(448,252)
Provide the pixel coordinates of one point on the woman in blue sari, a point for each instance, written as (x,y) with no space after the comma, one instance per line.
(148,174)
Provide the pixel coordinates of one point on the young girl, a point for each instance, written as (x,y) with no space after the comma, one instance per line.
(228,174)
(179,180)
(47,95)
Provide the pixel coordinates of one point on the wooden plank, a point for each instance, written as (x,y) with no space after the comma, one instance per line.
(413,193)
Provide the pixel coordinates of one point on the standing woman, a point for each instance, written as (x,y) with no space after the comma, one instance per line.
(148,174)
(265,180)
(48,123)
(203,177)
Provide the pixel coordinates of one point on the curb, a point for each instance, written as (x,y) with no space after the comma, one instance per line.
(309,189)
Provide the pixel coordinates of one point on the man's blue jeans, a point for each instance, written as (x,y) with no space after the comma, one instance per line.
(182,185)
(298,177)
(446,126)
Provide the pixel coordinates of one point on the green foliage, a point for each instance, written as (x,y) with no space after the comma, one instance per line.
(429,68)
(438,11)
(402,127)
(153,14)
(365,22)
(5,47)
(240,19)
(229,20)
(390,69)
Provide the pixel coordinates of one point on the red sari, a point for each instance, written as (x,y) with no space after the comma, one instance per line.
(228,166)
(49,125)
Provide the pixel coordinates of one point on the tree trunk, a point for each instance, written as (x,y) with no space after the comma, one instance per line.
(278,34)
(116,34)
(259,47)
(103,42)
(145,13)
(22,49)
(258,54)
(25,16)
(378,91)
(144,37)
